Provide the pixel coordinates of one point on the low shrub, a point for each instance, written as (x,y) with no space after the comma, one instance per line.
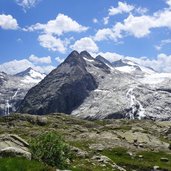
(51,149)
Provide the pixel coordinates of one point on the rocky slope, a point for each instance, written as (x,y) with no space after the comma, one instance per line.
(63,90)
(101,145)
(13,88)
(94,88)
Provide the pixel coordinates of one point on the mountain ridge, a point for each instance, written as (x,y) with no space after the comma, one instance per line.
(13,88)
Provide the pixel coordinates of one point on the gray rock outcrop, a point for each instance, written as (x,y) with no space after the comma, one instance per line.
(13,146)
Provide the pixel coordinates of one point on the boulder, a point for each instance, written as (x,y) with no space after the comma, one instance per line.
(163,159)
(79,153)
(42,121)
(13,146)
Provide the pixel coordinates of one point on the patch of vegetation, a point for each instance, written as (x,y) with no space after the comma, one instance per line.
(19,164)
(51,149)
(87,165)
(142,161)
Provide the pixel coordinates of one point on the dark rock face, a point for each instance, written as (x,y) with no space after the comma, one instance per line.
(63,90)
(103,60)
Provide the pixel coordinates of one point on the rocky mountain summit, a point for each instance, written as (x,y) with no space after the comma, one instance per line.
(13,88)
(94,88)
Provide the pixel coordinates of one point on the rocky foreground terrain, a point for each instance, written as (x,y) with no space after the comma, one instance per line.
(140,145)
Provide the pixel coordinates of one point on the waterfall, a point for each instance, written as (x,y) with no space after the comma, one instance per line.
(7,108)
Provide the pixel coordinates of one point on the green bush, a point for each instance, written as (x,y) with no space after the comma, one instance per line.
(51,149)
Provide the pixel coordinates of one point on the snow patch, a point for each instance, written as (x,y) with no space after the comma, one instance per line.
(155,78)
(89,60)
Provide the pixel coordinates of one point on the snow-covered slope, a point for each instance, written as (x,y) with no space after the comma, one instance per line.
(128,66)
(94,88)
(127,91)
(31,76)
(13,88)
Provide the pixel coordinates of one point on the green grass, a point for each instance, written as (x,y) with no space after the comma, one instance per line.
(20,164)
(150,159)
(86,165)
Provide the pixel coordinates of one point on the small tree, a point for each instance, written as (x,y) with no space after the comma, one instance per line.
(51,149)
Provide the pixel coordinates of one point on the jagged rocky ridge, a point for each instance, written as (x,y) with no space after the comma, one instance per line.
(13,88)
(94,88)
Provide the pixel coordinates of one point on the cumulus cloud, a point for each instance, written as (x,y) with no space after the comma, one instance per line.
(52,43)
(62,24)
(137,26)
(110,56)
(44,69)
(106,20)
(42,65)
(59,60)
(162,63)
(26,4)
(37,60)
(107,34)
(95,20)
(123,7)
(7,22)
(162,44)
(52,31)
(15,66)
(168,2)
(85,43)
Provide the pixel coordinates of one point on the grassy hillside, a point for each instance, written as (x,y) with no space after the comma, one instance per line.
(96,145)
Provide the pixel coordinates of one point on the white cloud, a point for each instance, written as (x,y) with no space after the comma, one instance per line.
(26,4)
(161,64)
(52,31)
(52,43)
(141,10)
(168,2)
(95,20)
(106,20)
(85,43)
(162,44)
(109,33)
(15,66)
(59,60)
(37,60)
(62,24)
(137,26)
(44,69)
(110,56)
(123,7)
(7,22)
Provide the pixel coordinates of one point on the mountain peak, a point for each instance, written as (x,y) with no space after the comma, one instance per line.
(104,60)
(86,54)
(25,72)
(74,53)
(74,58)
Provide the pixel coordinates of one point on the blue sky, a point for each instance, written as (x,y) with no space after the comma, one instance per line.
(41,33)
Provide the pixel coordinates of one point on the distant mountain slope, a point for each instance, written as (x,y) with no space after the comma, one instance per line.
(13,88)
(30,76)
(63,90)
(128,66)
(94,88)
